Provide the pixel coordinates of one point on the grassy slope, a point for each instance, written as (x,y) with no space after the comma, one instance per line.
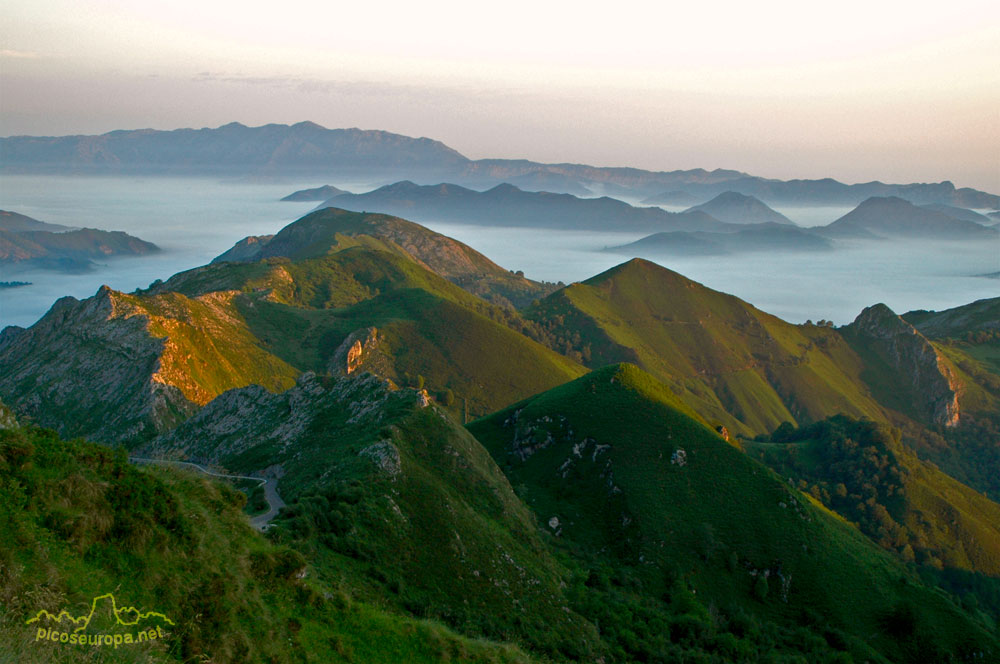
(969,337)
(331,229)
(730,362)
(85,522)
(944,521)
(210,347)
(628,502)
(968,340)
(431,327)
(437,532)
(233,324)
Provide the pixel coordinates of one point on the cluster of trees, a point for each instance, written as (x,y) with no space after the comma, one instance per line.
(982,336)
(967,452)
(855,470)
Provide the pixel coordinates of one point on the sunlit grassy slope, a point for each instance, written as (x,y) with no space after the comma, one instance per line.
(331,229)
(127,366)
(731,362)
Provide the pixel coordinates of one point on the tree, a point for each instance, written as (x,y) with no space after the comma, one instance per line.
(449,398)
(760,588)
(420,382)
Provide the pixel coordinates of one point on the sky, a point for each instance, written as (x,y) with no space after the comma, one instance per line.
(855,90)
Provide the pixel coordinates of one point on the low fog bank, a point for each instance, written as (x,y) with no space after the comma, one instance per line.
(194,220)
(796,286)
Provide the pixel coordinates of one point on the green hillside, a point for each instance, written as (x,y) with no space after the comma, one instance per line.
(597,511)
(394,498)
(423,324)
(729,361)
(624,476)
(127,366)
(330,229)
(85,523)
(861,470)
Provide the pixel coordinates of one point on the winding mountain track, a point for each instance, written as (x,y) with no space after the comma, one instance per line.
(274,501)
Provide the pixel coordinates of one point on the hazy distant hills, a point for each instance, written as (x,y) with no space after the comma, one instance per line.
(830,192)
(895,217)
(233,149)
(29,243)
(307,148)
(959,213)
(507,205)
(735,208)
(757,237)
(612,181)
(17,223)
(315,194)
(874,219)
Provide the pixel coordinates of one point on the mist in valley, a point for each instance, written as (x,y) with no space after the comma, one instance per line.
(193,220)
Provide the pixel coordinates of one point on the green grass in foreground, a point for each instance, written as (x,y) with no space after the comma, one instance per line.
(77,521)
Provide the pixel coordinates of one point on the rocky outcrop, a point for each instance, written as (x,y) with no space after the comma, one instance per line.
(251,417)
(354,351)
(90,368)
(385,455)
(917,366)
(124,368)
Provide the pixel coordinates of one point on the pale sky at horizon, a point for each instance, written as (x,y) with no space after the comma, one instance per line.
(894,91)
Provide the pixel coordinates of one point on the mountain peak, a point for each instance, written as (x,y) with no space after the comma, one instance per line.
(894,216)
(638,268)
(920,372)
(503,188)
(879,320)
(736,208)
(308,125)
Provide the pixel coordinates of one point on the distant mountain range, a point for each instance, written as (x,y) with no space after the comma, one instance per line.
(307,148)
(895,217)
(757,237)
(233,149)
(729,223)
(873,219)
(29,243)
(506,205)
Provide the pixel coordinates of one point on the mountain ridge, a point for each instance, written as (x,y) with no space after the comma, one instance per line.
(507,205)
(308,148)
